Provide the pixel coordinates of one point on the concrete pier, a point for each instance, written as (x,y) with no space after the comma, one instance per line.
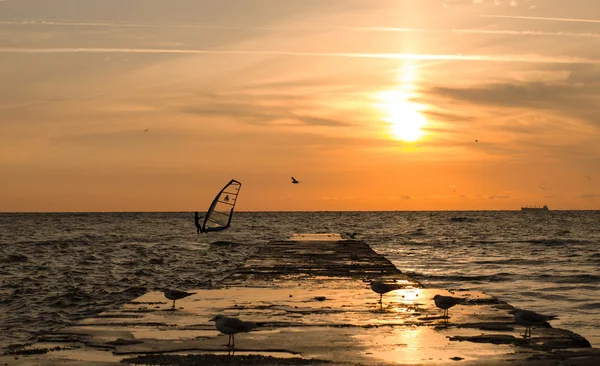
(311,299)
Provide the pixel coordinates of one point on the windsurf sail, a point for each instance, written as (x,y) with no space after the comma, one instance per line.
(218,216)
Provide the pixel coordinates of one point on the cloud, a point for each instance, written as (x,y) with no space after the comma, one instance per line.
(403,197)
(336,198)
(317,121)
(589,196)
(296,29)
(577,96)
(522,58)
(126,136)
(499,196)
(494,3)
(577,20)
(257,109)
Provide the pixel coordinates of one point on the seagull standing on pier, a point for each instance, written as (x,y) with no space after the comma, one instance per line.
(446,302)
(232,326)
(383,288)
(530,318)
(176,295)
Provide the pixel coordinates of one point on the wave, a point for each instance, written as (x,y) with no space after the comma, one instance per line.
(589,306)
(500,277)
(225,243)
(463,219)
(582,278)
(515,261)
(86,239)
(16,258)
(554,242)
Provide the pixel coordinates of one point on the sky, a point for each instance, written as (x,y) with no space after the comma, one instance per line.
(154,105)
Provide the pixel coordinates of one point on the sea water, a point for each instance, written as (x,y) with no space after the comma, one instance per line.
(56,268)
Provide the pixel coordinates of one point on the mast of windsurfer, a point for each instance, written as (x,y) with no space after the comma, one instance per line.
(197,222)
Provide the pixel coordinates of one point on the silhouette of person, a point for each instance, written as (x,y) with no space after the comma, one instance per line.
(197,222)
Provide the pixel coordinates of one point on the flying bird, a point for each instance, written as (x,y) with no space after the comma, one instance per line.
(383,288)
(232,326)
(146,130)
(446,302)
(176,295)
(294,181)
(530,318)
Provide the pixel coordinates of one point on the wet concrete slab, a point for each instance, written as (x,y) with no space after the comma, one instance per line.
(310,316)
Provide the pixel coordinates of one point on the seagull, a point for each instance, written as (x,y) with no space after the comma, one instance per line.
(232,326)
(383,288)
(528,318)
(446,302)
(476,140)
(146,130)
(176,295)
(294,181)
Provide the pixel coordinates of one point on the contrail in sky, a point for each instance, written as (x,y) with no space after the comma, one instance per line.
(299,29)
(391,56)
(543,18)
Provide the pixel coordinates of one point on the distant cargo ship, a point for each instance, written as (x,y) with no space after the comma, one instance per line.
(535,208)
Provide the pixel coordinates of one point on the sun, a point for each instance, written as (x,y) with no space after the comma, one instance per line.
(397,106)
(405,118)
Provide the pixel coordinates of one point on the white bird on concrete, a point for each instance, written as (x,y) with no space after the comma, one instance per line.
(232,326)
(383,288)
(176,295)
(446,302)
(530,318)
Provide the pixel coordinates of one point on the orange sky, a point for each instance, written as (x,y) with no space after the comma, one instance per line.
(372,105)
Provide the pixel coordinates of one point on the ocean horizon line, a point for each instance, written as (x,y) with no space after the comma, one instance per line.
(281,211)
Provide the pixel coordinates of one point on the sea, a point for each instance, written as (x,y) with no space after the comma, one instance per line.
(57,268)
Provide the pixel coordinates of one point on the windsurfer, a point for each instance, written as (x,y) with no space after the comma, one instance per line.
(197,222)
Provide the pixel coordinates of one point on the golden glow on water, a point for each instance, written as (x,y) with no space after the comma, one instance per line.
(398,109)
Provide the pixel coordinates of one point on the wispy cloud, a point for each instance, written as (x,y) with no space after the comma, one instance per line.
(508,32)
(530,58)
(495,3)
(589,196)
(577,20)
(110,24)
(499,196)
(270,109)
(571,99)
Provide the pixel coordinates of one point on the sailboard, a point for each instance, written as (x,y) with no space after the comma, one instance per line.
(218,217)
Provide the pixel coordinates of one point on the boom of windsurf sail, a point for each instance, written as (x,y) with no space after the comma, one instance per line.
(218,216)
